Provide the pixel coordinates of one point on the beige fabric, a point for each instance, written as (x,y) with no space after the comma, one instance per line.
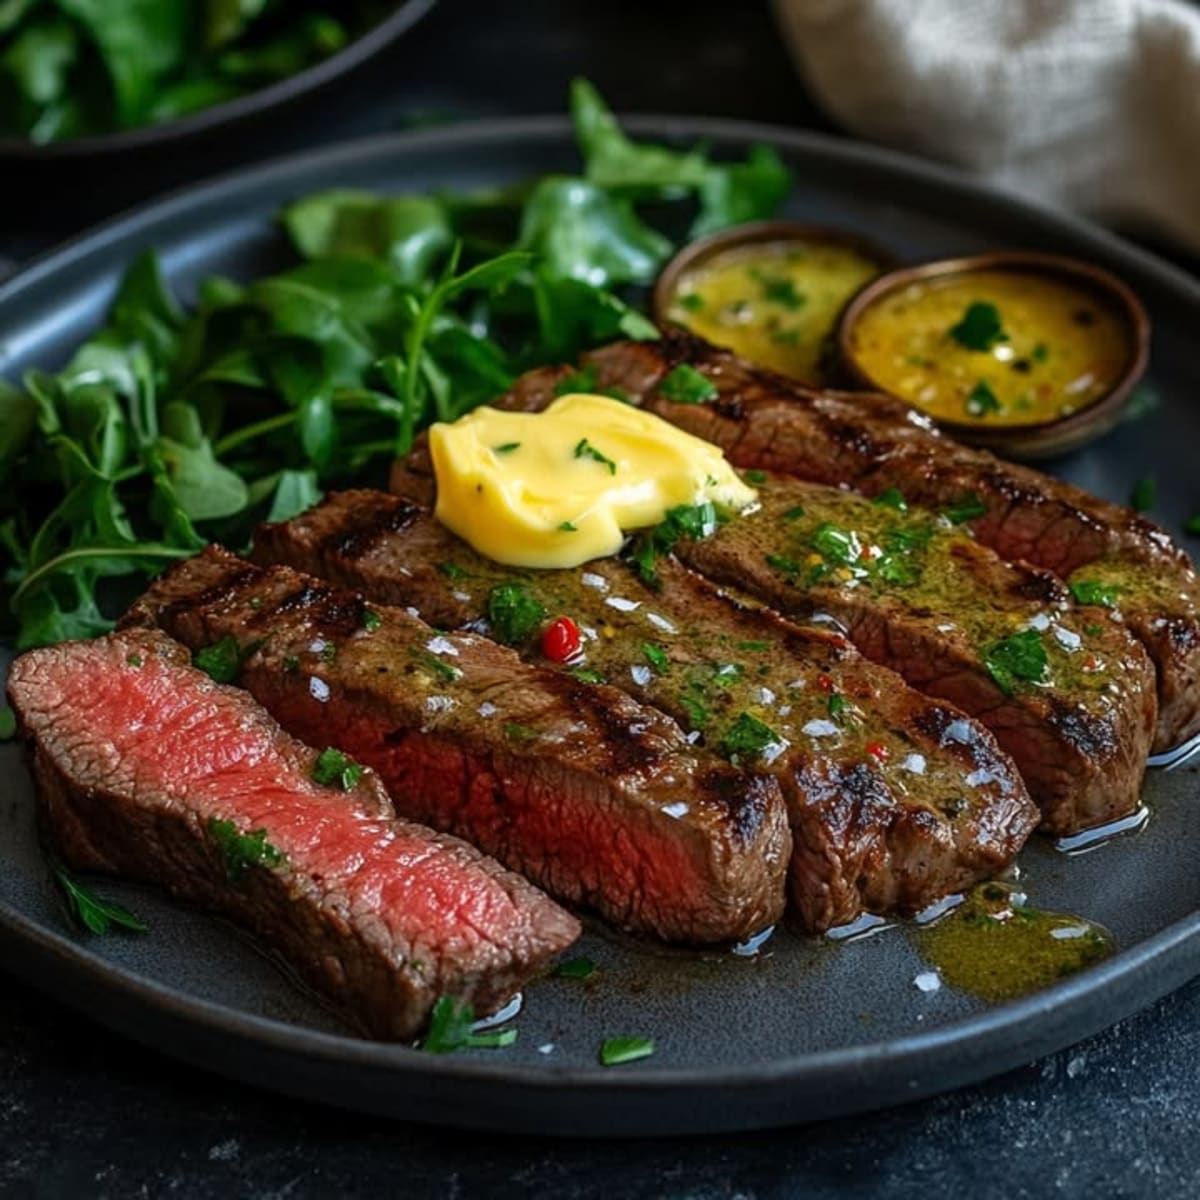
(1093,104)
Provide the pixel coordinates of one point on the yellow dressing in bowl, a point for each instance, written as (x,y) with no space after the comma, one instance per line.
(774,303)
(993,347)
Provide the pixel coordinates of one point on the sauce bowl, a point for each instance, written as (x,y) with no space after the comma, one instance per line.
(1092,327)
(814,269)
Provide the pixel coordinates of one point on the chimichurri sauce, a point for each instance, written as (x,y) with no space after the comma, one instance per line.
(993,347)
(997,947)
(774,303)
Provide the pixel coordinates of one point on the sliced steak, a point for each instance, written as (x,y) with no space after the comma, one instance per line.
(598,799)
(895,800)
(1068,693)
(147,768)
(872,443)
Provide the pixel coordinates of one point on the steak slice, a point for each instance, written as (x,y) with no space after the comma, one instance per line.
(598,799)
(147,768)
(1066,691)
(872,443)
(894,801)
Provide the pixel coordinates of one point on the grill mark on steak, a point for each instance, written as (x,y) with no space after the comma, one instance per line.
(1080,736)
(873,442)
(599,799)
(134,752)
(860,837)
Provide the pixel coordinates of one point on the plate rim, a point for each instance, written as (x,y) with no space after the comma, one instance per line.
(985,1043)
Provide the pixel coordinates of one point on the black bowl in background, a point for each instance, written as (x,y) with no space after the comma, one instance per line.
(78,180)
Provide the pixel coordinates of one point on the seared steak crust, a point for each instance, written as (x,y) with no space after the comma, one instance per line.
(596,798)
(884,812)
(873,443)
(135,754)
(924,598)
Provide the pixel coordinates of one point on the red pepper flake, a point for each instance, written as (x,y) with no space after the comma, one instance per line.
(825,683)
(878,750)
(1090,663)
(561,639)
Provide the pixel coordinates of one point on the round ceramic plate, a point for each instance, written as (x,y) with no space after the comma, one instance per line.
(804,1029)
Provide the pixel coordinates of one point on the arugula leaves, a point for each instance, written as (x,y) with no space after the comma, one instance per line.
(169,428)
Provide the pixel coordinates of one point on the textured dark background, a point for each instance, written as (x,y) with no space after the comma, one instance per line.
(83,1113)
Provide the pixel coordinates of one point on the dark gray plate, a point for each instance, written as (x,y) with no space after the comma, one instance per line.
(806,1029)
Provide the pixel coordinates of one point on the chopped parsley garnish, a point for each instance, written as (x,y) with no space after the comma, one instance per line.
(448,671)
(586,675)
(450,1029)
(8,723)
(617,1050)
(697,710)
(335,769)
(1040,352)
(583,380)
(836,545)
(980,327)
(516,732)
(241,851)
(779,289)
(576,968)
(785,566)
(794,513)
(1019,657)
(506,448)
(726,674)
(329,652)
(898,569)
(967,509)
(514,613)
(453,571)
(291,663)
(1093,630)
(371,620)
(1192,526)
(685,385)
(1141,497)
(1092,591)
(892,498)
(837,706)
(222,661)
(755,477)
(693,521)
(585,449)
(134,660)
(754,647)
(656,656)
(567,527)
(95,915)
(692,302)
(981,400)
(784,337)
(748,737)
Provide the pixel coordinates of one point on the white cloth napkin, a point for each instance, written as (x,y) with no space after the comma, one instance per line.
(1092,104)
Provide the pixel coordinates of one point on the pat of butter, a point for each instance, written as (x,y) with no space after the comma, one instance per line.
(560,487)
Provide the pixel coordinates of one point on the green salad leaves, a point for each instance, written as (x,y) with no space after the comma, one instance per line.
(74,68)
(175,425)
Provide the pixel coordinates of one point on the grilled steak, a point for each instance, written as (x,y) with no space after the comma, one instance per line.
(1066,691)
(895,800)
(147,768)
(873,443)
(597,798)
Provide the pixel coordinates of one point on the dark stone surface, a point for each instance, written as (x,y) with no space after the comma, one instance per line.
(83,1113)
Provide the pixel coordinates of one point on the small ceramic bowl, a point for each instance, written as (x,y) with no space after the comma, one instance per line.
(1036,439)
(699,252)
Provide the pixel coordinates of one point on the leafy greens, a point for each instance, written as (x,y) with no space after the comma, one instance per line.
(172,426)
